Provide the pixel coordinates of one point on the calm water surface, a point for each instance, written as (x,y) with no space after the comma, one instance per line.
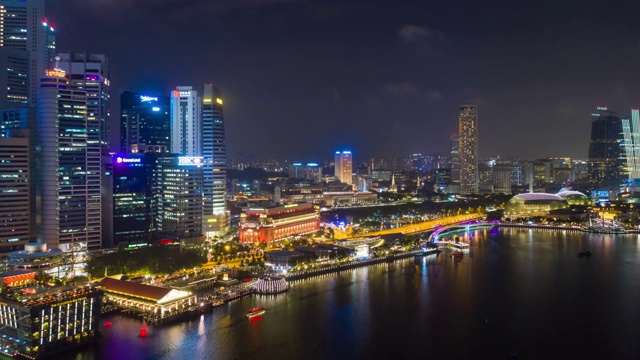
(517,290)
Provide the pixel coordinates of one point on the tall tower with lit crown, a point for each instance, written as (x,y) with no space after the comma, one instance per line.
(344,166)
(468,148)
(214,151)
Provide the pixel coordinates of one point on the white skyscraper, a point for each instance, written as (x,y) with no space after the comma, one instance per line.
(90,73)
(186,122)
(67,199)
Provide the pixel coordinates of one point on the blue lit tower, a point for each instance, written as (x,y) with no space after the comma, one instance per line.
(214,151)
(144,123)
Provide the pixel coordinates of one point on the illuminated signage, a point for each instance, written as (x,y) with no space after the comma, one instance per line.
(219,101)
(312,164)
(121,160)
(92,77)
(346,152)
(297,164)
(145,98)
(155,108)
(56,73)
(604,108)
(190,160)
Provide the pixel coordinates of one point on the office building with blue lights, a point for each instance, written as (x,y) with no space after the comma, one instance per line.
(132,197)
(144,123)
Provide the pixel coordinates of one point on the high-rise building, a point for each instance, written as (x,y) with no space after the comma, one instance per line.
(631,133)
(344,166)
(296,170)
(69,200)
(214,152)
(503,176)
(186,122)
(16,222)
(90,73)
(27,46)
(177,192)
(606,160)
(132,197)
(454,140)
(144,123)
(468,137)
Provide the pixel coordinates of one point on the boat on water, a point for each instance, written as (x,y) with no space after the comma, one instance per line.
(255,312)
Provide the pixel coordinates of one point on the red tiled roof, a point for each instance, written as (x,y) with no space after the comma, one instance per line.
(134,289)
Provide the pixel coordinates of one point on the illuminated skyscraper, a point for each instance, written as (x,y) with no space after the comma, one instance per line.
(186,122)
(214,152)
(69,200)
(90,73)
(454,138)
(177,192)
(606,153)
(144,123)
(16,227)
(344,166)
(631,132)
(27,48)
(468,138)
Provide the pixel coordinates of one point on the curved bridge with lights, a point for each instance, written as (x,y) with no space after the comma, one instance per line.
(461,227)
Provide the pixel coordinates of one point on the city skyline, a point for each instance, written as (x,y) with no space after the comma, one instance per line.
(402,99)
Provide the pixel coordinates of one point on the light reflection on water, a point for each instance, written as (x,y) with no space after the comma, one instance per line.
(516,290)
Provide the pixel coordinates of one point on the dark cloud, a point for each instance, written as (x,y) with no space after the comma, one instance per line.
(415,34)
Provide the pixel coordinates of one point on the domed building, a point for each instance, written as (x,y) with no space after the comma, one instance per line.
(575,198)
(534,204)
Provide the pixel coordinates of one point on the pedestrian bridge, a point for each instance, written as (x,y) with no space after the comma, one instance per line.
(461,227)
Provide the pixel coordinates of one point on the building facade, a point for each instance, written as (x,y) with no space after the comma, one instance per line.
(454,140)
(344,166)
(468,138)
(214,151)
(90,73)
(132,197)
(186,122)
(260,225)
(27,46)
(631,135)
(16,222)
(44,323)
(177,198)
(606,160)
(69,202)
(144,123)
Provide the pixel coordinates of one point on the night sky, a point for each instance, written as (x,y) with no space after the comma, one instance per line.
(384,78)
